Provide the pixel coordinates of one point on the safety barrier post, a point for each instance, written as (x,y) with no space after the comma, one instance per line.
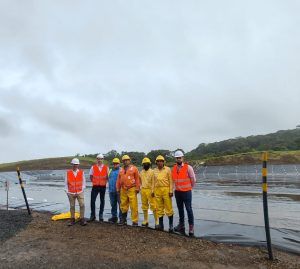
(265,203)
(23,190)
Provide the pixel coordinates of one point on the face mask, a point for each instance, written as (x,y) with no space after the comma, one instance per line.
(146,166)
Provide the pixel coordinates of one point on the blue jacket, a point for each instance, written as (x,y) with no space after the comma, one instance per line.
(112,179)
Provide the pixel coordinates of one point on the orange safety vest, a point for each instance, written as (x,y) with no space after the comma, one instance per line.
(75,183)
(181,178)
(99,177)
(127,178)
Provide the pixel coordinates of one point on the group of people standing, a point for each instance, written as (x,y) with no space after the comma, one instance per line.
(156,186)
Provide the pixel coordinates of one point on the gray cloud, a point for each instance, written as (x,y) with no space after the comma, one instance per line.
(6,127)
(93,76)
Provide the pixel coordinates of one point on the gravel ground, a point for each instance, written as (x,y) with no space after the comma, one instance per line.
(41,243)
(11,222)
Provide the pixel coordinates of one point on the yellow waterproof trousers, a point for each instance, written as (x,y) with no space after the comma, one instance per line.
(129,198)
(163,201)
(147,199)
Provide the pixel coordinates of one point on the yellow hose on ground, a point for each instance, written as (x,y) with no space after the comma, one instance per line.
(66,215)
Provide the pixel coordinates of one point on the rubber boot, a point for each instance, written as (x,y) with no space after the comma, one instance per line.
(191,230)
(161,223)
(180,228)
(156,219)
(145,222)
(171,228)
(123,220)
(72,222)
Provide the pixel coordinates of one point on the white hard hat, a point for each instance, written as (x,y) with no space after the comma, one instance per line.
(75,161)
(178,154)
(100,156)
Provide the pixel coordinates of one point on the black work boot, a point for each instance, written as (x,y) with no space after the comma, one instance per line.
(92,218)
(191,230)
(171,229)
(180,228)
(72,222)
(113,220)
(82,222)
(123,220)
(161,224)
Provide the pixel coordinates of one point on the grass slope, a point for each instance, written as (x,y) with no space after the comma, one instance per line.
(275,157)
(46,164)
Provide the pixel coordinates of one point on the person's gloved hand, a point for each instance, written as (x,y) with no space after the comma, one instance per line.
(171,194)
(152,194)
(137,191)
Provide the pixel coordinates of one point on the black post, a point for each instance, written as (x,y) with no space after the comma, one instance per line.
(23,190)
(265,203)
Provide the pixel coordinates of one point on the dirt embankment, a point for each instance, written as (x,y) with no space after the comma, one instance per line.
(40,243)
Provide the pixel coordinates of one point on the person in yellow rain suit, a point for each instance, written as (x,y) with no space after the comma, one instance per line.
(148,199)
(128,185)
(163,191)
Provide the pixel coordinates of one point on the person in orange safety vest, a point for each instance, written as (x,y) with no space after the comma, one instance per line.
(128,186)
(75,185)
(184,180)
(99,179)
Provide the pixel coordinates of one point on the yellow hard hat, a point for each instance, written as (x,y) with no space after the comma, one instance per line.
(125,157)
(146,160)
(160,158)
(116,160)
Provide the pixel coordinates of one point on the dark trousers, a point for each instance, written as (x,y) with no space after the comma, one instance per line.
(115,204)
(94,194)
(184,198)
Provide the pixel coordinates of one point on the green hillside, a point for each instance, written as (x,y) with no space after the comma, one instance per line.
(275,157)
(283,147)
(287,140)
(45,164)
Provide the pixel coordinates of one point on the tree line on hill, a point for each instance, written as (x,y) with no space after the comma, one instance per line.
(137,156)
(280,141)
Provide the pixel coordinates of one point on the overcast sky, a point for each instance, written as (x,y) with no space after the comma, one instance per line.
(90,76)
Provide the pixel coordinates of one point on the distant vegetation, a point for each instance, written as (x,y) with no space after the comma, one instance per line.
(275,157)
(288,140)
(45,164)
(136,156)
(283,146)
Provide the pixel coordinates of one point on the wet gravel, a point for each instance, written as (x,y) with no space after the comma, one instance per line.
(42,243)
(12,221)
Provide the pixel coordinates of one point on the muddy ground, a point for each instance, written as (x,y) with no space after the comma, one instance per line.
(38,242)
